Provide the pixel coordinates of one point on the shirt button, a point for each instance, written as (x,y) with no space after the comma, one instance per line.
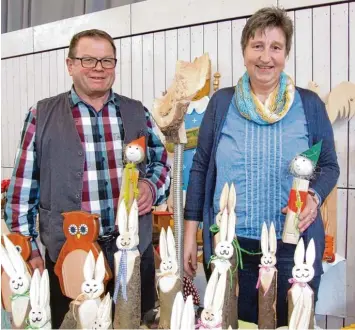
(78,174)
(77,196)
(80,153)
(103,159)
(100,136)
(106,183)
(108,208)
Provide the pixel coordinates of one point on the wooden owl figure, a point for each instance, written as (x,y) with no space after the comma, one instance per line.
(23,245)
(81,230)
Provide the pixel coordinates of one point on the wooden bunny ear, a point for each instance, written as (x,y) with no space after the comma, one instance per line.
(272,239)
(121,219)
(218,298)
(232,219)
(14,256)
(188,315)
(210,289)
(264,240)
(163,249)
(224,197)
(100,268)
(299,253)
(171,243)
(105,307)
(232,199)
(177,310)
(223,226)
(35,288)
(89,266)
(44,290)
(133,219)
(310,253)
(6,263)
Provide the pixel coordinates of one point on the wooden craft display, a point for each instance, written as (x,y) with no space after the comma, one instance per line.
(23,245)
(81,230)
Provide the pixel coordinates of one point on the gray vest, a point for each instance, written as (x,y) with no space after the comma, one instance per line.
(60,159)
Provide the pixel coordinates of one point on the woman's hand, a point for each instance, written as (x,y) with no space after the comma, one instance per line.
(190,247)
(308,215)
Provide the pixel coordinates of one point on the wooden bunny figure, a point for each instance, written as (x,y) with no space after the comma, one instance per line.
(301,296)
(183,314)
(127,295)
(169,283)
(20,281)
(225,255)
(40,314)
(103,318)
(212,314)
(267,282)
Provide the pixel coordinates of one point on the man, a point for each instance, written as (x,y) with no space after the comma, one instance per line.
(70,158)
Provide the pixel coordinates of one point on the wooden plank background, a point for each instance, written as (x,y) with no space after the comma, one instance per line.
(323,50)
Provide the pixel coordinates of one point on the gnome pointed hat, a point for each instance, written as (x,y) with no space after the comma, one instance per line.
(140,142)
(313,153)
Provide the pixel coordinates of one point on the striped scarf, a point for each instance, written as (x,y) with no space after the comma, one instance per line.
(122,275)
(276,106)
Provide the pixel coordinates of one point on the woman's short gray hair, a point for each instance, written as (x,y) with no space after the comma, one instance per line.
(266,18)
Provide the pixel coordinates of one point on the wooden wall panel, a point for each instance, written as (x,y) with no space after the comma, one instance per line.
(290,64)
(148,70)
(210,46)
(237,58)
(224,48)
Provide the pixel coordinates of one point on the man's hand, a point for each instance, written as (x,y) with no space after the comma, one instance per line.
(37,262)
(145,199)
(308,215)
(190,248)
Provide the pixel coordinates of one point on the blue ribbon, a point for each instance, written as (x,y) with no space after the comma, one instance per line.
(122,275)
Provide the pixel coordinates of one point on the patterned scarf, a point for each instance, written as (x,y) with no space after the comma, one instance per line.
(122,275)
(276,106)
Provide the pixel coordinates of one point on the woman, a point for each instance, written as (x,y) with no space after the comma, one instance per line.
(248,136)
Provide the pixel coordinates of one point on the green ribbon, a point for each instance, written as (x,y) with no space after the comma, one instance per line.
(238,250)
(18,295)
(29,326)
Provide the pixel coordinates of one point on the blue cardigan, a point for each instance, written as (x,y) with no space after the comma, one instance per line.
(200,191)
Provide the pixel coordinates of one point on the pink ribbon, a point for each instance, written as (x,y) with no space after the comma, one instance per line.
(206,326)
(294,281)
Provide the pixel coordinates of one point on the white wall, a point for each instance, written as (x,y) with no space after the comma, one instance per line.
(323,50)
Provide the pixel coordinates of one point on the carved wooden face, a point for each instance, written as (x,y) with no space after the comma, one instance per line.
(80,226)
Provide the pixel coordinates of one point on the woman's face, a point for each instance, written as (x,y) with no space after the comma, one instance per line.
(265,56)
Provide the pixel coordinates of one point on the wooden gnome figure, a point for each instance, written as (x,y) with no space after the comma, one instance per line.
(134,154)
(267,282)
(302,167)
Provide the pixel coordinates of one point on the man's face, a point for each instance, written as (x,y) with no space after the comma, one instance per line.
(92,81)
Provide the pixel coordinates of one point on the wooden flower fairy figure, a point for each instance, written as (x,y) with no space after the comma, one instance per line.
(302,167)
(134,154)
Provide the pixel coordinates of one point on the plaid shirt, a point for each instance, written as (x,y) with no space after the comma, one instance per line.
(101,135)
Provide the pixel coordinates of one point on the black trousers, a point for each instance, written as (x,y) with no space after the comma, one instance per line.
(60,303)
(248,277)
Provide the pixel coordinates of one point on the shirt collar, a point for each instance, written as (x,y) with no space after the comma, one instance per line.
(75,99)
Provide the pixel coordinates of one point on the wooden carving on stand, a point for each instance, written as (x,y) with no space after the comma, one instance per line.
(301,296)
(23,245)
(340,104)
(169,111)
(224,260)
(267,282)
(81,230)
(19,282)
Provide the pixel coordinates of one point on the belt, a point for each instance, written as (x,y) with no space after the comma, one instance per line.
(108,237)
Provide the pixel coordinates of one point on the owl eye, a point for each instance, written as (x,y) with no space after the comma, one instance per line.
(18,248)
(83,229)
(73,229)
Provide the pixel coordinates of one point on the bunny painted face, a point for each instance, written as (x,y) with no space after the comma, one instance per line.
(211,318)
(224,250)
(301,167)
(40,313)
(128,238)
(14,266)
(94,275)
(167,252)
(268,246)
(303,272)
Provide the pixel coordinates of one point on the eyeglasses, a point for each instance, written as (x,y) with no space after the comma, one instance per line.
(91,62)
